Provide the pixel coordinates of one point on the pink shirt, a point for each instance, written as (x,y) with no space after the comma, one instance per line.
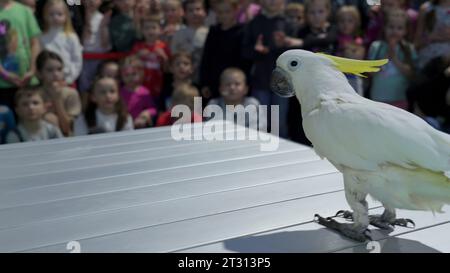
(138,101)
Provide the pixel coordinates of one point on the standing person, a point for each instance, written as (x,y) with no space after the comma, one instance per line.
(95,39)
(154,54)
(319,35)
(60,37)
(259,47)
(173,19)
(20,20)
(390,84)
(122,28)
(192,38)
(350,44)
(222,48)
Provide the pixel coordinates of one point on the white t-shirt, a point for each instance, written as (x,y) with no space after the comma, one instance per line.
(94,42)
(105,123)
(68,47)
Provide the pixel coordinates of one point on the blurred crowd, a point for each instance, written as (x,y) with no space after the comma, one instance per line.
(70,68)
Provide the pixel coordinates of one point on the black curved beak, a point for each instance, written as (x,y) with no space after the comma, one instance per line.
(280,83)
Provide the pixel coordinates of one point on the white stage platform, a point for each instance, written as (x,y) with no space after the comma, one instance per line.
(142,191)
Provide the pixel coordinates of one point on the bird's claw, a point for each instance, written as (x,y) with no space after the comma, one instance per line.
(404,223)
(378,221)
(344,214)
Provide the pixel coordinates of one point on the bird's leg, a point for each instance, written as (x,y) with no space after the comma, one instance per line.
(387,220)
(358,230)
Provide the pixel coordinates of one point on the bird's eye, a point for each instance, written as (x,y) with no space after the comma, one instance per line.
(294,64)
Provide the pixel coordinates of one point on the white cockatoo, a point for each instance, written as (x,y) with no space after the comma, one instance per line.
(381,150)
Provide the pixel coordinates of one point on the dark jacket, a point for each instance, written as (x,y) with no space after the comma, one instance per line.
(263,64)
(325,42)
(222,50)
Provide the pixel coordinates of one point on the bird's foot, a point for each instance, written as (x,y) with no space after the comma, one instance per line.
(346,214)
(347,230)
(379,221)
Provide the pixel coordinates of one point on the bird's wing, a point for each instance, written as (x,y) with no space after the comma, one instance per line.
(365,135)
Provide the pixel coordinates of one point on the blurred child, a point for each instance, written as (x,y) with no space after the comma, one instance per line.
(222,48)
(349,23)
(154,53)
(390,84)
(95,39)
(183,94)
(60,37)
(19,20)
(122,28)
(376,19)
(173,19)
(433,31)
(318,35)
(109,69)
(7,122)
(105,112)
(350,44)
(192,38)
(137,97)
(181,69)
(64,101)
(295,17)
(261,47)
(30,109)
(233,91)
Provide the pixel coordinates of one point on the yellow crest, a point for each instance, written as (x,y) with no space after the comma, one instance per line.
(355,67)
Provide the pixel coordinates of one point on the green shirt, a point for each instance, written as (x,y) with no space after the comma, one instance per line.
(22,20)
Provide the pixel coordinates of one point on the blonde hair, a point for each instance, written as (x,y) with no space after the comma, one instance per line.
(295,7)
(152,18)
(68,27)
(353,11)
(185,94)
(176,3)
